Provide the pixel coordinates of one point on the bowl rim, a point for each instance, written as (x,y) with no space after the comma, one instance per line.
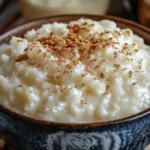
(22,117)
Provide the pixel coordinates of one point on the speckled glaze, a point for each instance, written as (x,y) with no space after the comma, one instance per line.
(24,133)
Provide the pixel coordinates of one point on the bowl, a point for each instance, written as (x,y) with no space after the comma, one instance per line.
(31,10)
(144,12)
(25,133)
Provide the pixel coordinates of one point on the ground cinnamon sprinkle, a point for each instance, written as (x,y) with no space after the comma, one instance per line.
(107,87)
(134,83)
(20,86)
(84,47)
(60,47)
(130,74)
(101,75)
(67,45)
(117,66)
(22,58)
(78,28)
(83,102)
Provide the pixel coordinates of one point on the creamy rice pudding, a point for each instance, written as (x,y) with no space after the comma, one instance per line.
(83,71)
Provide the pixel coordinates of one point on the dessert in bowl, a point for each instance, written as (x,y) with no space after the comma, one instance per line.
(64,79)
(34,9)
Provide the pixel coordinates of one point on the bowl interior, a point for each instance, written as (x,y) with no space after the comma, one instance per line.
(20,30)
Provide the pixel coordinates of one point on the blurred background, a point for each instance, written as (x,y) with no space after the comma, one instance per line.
(14,12)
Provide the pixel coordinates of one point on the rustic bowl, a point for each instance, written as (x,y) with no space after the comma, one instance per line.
(24,133)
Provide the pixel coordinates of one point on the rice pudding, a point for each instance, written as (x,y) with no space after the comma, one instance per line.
(84,71)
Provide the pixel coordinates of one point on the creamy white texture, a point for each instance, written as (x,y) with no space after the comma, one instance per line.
(58,3)
(83,71)
(62,3)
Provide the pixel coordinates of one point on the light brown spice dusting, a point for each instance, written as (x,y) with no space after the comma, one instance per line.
(130,74)
(101,75)
(83,102)
(117,66)
(134,83)
(22,58)
(107,87)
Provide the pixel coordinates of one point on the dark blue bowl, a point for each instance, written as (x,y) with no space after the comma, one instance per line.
(24,133)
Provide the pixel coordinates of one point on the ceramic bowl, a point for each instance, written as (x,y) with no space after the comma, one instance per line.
(24,133)
(32,10)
